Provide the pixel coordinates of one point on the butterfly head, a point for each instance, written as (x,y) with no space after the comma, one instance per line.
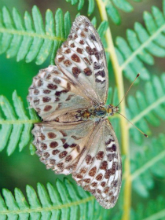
(111,109)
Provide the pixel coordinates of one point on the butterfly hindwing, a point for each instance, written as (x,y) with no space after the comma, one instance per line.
(59,145)
(100,167)
(87,150)
(82,59)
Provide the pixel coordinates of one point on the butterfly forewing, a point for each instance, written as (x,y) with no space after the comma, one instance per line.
(52,94)
(72,139)
(82,59)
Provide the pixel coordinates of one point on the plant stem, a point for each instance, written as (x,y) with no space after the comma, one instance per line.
(46,209)
(30,34)
(124,131)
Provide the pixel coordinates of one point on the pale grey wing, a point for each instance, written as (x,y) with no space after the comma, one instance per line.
(52,94)
(60,145)
(82,59)
(88,150)
(99,169)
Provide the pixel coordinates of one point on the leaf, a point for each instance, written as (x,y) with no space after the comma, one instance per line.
(141,45)
(15,125)
(64,200)
(112,7)
(29,38)
(91,5)
(147,109)
(101,31)
(146,164)
(150,211)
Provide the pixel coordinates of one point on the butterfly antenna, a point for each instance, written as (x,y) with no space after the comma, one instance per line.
(129,89)
(112,96)
(133,125)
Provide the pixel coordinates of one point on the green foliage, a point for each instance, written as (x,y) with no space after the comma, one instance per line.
(142,44)
(15,125)
(153,210)
(112,7)
(145,166)
(91,4)
(64,200)
(31,39)
(147,109)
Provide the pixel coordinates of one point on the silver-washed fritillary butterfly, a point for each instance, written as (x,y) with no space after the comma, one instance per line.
(75,136)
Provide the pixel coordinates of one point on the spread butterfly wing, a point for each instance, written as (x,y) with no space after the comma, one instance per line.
(52,94)
(60,145)
(99,168)
(82,59)
(89,150)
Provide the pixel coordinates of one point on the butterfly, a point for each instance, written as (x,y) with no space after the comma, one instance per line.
(75,136)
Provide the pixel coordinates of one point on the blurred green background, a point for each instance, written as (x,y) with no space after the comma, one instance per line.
(21,168)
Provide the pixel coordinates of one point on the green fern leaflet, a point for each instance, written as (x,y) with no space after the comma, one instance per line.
(63,201)
(13,122)
(112,7)
(29,38)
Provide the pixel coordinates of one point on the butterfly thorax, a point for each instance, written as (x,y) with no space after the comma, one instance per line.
(97,112)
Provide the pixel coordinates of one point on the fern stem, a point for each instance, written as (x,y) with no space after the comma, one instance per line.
(144,45)
(120,84)
(157,216)
(147,165)
(47,209)
(30,34)
(19,121)
(146,111)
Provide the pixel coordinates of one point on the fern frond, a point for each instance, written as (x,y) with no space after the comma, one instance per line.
(147,109)
(101,31)
(15,125)
(153,210)
(91,5)
(94,21)
(30,38)
(148,164)
(142,44)
(112,7)
(63,201)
